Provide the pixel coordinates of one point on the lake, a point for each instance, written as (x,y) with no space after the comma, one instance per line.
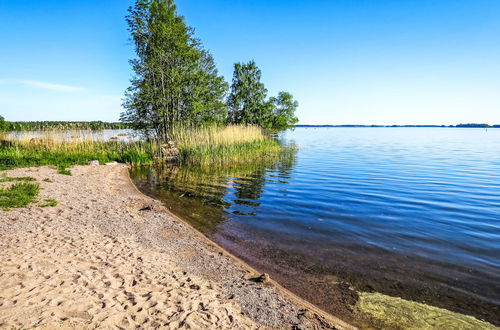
(408,212)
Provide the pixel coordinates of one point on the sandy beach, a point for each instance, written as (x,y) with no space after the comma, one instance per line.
(109,257)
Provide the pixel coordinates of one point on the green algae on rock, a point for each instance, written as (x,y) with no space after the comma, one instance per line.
(397,313)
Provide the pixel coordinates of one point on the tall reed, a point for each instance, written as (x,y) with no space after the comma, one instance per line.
(216,135)
(212,145)
(222,145)
(68,148)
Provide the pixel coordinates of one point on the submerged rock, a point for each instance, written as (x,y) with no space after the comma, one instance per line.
(398,313)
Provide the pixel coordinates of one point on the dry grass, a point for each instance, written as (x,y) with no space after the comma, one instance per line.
(216,135)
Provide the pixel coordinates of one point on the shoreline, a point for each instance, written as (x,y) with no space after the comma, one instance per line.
(65,265)
(253,273)
(346,293)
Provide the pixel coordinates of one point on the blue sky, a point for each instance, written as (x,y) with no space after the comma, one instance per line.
(346,61)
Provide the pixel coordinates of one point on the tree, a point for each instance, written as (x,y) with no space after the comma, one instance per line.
(3,124)
(175,80)
(284,107)
(247,100)
(248,105)
(207,93)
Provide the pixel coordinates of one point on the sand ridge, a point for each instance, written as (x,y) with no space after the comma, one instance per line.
(110,257)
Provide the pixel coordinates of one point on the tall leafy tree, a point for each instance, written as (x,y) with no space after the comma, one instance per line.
(247,100)
(175,80)
(3,124)
(248,103)
(283,115)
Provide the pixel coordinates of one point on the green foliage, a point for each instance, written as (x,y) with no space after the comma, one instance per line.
(18,195)
(248,104)
(229,154)
(283,115)
(49,202)
(10,179)
(62,169)
(247,101)
(175,79)
(22,155)
(3,124)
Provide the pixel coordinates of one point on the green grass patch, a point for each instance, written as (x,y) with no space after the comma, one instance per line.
(18,195)
(48,202)
(63,170)
(11,179)
(26,155)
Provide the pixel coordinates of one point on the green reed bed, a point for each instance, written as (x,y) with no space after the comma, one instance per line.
(223,145)
(18,154)
(214,145)
(203,147)
(228,154)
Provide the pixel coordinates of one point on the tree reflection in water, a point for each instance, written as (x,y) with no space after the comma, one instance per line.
(205,196)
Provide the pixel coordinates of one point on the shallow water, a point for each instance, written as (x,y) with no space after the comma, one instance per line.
(409,212)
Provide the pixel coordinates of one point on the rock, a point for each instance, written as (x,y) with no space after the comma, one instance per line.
(305,313)
(111,163)
(169,151)
(94,162)
(264,278)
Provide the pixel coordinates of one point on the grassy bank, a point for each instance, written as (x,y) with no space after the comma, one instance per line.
(200,146)
(65,154)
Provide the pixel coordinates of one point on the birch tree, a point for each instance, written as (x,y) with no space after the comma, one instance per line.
(175,80)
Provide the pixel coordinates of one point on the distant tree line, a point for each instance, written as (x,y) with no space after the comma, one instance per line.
(59,125)
(176,81)
(476,125)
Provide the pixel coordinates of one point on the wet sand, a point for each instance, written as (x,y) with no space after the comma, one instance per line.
(108,256)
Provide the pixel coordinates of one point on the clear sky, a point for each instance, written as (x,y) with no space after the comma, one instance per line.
(346,61)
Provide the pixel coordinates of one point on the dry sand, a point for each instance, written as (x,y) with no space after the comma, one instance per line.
(109,257)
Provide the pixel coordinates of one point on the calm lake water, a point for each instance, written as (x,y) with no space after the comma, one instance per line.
(409,212)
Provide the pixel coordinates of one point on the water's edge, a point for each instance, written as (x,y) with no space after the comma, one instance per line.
(341,293)
(345,213)
(296,299)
